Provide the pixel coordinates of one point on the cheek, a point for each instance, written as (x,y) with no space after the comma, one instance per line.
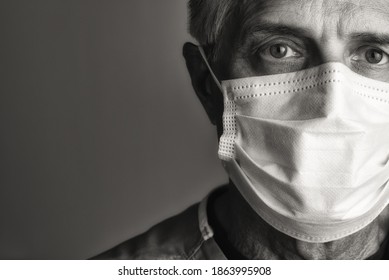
(249,67)
(383,77)
(241,68)
(379,73)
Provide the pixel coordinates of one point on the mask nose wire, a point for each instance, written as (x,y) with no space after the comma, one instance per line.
(210,69)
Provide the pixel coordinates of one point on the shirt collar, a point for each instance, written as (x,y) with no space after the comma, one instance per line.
(205,228)
(208,248)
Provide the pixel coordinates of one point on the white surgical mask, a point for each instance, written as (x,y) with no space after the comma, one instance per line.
(309,150)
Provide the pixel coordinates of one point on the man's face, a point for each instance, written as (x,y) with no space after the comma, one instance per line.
(278,36)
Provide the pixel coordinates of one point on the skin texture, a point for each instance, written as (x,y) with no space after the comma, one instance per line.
(270,37)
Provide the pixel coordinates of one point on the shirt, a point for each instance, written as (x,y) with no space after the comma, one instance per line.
(186,236)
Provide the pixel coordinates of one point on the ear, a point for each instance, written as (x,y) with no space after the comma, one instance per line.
(201,80)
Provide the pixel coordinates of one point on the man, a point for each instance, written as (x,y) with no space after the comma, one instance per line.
(303,113)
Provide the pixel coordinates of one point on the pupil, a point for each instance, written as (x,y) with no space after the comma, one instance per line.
(374,56)
(278,51)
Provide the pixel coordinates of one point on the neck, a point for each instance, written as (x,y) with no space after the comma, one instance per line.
(241,233)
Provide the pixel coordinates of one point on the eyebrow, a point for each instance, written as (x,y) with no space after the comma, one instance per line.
(267,28)
(382,39)
(271,28)
(283,29)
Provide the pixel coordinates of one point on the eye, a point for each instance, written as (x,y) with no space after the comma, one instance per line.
(281,51)
(371,55)
(278,51)
(277,54)
(374,56)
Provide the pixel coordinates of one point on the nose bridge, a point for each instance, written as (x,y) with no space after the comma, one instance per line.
(330,50)
(333,93)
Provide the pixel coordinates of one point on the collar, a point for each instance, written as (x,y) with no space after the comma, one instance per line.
(207,248)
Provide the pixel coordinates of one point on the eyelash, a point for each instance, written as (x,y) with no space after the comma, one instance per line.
(364,49)
(265,49)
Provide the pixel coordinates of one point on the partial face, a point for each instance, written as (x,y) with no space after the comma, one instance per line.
(277,36)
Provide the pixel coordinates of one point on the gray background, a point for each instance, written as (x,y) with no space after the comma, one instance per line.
(101,134)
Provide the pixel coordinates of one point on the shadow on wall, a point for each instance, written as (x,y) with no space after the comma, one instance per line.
(101,133)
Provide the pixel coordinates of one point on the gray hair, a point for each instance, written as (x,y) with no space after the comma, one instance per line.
(207,19)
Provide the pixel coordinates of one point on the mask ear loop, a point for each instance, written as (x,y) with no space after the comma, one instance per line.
(209,68)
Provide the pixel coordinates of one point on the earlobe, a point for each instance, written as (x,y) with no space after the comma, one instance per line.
(200,75)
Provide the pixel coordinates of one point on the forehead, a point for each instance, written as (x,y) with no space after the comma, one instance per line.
(320,15)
